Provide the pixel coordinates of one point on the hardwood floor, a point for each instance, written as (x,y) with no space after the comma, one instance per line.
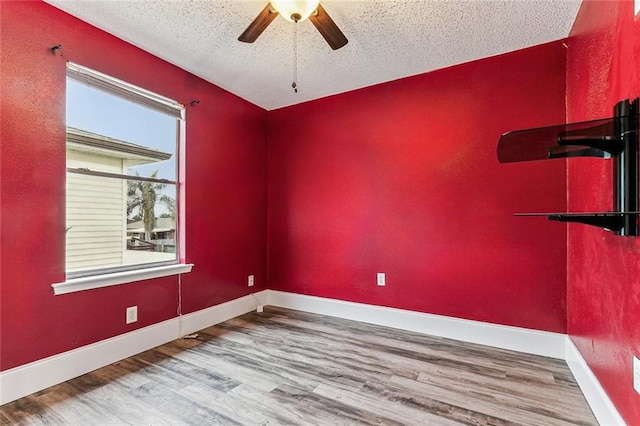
(289,367)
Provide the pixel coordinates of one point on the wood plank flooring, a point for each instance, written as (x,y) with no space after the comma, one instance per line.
(284,367)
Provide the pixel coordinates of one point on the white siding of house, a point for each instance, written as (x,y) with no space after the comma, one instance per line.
(95,213)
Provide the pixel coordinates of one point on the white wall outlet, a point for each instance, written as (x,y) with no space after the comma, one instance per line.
(250,281)
(381,279)
(132,314)
(636,374)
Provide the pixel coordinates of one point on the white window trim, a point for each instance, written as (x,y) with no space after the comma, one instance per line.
(125,90)
(159,103)
(106,280)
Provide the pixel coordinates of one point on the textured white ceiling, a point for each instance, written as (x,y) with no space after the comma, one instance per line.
(388,39)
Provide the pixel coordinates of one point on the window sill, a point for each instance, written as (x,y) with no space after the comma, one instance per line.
(106,280)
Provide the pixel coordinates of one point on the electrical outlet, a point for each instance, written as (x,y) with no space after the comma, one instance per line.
(132,314)
(381,279)
(250,281)
(636,374)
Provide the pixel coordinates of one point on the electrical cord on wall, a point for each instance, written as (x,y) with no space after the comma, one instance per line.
(259,306)
(179,312)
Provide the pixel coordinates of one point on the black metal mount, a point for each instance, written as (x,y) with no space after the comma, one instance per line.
(613,138)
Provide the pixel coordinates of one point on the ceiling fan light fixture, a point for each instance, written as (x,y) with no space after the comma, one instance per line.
(295,10)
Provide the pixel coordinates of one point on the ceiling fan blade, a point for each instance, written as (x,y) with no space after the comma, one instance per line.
(329,30)
(259,24)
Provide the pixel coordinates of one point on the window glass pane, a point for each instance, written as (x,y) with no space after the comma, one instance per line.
(154,239)
(114,222)
(108,115)
(94,223)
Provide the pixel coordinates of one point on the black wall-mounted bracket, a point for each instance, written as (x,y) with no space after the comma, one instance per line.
(625,166)
(613,138)
(610,221)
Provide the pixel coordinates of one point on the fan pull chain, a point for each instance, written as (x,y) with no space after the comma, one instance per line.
(295,57)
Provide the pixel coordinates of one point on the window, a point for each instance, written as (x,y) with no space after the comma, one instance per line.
(122,169)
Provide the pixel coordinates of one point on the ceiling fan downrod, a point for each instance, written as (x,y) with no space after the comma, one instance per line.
(294,85)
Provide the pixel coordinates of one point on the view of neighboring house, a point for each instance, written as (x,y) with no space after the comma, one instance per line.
(97,206)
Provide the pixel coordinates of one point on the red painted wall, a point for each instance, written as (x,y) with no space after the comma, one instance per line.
(225,189)
(403,178)
(603,67)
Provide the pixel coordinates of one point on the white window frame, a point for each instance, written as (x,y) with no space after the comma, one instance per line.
(90,279)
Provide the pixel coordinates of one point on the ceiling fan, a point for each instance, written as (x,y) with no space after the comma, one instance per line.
(296,11)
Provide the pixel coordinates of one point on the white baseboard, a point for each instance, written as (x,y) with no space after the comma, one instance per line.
(501,336)
(35,376)
(602,407)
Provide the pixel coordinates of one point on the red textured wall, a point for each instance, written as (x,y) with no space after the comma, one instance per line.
(403,178)
(225,189)
(603,67)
